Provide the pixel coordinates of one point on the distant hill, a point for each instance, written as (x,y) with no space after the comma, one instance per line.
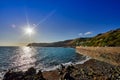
(66,43)
(110,38)
(54,44)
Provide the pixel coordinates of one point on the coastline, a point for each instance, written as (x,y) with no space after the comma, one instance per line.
(50,70)
(110,55)
(90,70)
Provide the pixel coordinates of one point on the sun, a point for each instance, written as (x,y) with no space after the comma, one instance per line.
(29,30)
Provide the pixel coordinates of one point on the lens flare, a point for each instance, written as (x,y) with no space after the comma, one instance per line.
(29,30)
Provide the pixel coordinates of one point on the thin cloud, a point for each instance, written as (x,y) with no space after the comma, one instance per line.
(80,34)
(87,33)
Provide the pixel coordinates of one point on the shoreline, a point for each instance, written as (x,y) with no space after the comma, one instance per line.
(52,68)
(90,70)
(110,55)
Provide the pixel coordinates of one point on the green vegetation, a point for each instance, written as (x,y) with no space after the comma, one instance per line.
(111,38)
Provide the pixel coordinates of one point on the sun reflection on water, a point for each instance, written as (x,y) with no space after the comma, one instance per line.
(25,58)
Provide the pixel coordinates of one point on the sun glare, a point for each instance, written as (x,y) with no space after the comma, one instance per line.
(29,30)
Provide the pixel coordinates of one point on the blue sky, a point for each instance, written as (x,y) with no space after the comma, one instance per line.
(59,19)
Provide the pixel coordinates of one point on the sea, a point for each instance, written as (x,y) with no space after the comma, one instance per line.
(41,58)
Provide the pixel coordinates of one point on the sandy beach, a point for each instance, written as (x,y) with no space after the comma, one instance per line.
(107,54)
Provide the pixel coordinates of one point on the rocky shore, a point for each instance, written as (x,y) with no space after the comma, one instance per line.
(90,70)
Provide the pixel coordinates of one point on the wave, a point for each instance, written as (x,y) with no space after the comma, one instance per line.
(54,67)
(1,75)
(67,64)
(83,61)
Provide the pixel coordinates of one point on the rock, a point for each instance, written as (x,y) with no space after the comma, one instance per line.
(40,75)
(13,75)
(82,71)
(119,77)
(90,74)
(67,76)
(31,71)
(7,75)
(62,66)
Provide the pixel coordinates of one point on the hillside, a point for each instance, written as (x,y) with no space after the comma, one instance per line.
(110,38)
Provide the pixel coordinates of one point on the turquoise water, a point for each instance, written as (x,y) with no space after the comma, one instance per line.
(45,58)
